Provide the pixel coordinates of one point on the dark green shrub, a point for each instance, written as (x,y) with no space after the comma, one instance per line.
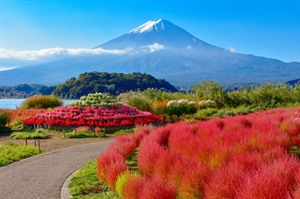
(41,101)
(5,130)
(267,95)
(85,132)
(5,118)
(181,107)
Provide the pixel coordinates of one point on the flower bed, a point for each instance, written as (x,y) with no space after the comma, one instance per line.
(235,157)
(93,117)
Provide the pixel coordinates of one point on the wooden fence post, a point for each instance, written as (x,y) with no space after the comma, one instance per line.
(39,145)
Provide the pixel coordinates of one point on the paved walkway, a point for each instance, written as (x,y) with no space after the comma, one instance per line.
(42,176)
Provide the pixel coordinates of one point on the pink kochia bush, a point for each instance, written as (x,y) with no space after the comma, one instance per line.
(93,117)
(234,157)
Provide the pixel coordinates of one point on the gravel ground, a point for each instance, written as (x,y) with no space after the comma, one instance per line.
(42,176)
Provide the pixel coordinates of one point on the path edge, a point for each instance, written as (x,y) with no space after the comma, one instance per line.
(65,191)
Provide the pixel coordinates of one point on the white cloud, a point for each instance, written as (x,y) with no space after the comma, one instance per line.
(4,68)
(154,47)
(56,52)
(232,50)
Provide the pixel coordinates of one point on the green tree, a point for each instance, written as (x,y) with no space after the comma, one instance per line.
(212,91)
(5,118)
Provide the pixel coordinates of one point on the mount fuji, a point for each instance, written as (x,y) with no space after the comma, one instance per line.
(163,50)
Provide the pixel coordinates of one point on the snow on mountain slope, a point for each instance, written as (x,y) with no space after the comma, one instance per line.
(149,26)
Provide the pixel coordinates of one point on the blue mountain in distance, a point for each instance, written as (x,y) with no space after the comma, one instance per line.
(166,51)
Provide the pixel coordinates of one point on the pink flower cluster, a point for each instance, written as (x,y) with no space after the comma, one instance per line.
(93,117)
(235,157)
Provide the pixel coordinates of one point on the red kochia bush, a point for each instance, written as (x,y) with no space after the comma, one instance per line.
(235,157)
(148,155)
(123,145)
(148,188)
(265,184)
(291,126)
(296,194)
(163,165)
(133,187)
(193,181)
(225,182)
(110,165)
(156,188)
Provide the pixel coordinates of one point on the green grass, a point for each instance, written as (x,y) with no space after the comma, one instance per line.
(83,135)
(85,184)
(10,153)
(29,135)
(295,150)
(131,161)
(123,132)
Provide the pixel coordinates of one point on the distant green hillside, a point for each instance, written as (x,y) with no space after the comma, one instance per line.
(113,83)
(25,90)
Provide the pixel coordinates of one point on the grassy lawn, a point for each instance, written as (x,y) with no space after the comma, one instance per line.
(10,153)
(85,184)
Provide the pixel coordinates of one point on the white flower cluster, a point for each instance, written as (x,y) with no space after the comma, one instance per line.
(96,99)
(207,104)
(180,102)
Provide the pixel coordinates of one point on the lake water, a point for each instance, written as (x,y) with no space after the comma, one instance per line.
(14,103)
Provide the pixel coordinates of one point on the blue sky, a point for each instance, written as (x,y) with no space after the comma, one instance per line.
(269,28)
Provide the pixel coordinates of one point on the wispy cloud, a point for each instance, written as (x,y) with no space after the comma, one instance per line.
(4,68)
(154,47)
(232,50)
(56,52)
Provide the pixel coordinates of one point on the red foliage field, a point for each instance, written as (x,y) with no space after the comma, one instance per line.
(93,117)
(235,157)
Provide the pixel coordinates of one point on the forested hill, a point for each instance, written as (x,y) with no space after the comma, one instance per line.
(25,90)
(113,83)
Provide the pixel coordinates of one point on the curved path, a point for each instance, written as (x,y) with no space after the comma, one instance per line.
(42,176)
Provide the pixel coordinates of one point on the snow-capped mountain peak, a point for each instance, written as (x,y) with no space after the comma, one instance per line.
(162,32)
(149,26)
